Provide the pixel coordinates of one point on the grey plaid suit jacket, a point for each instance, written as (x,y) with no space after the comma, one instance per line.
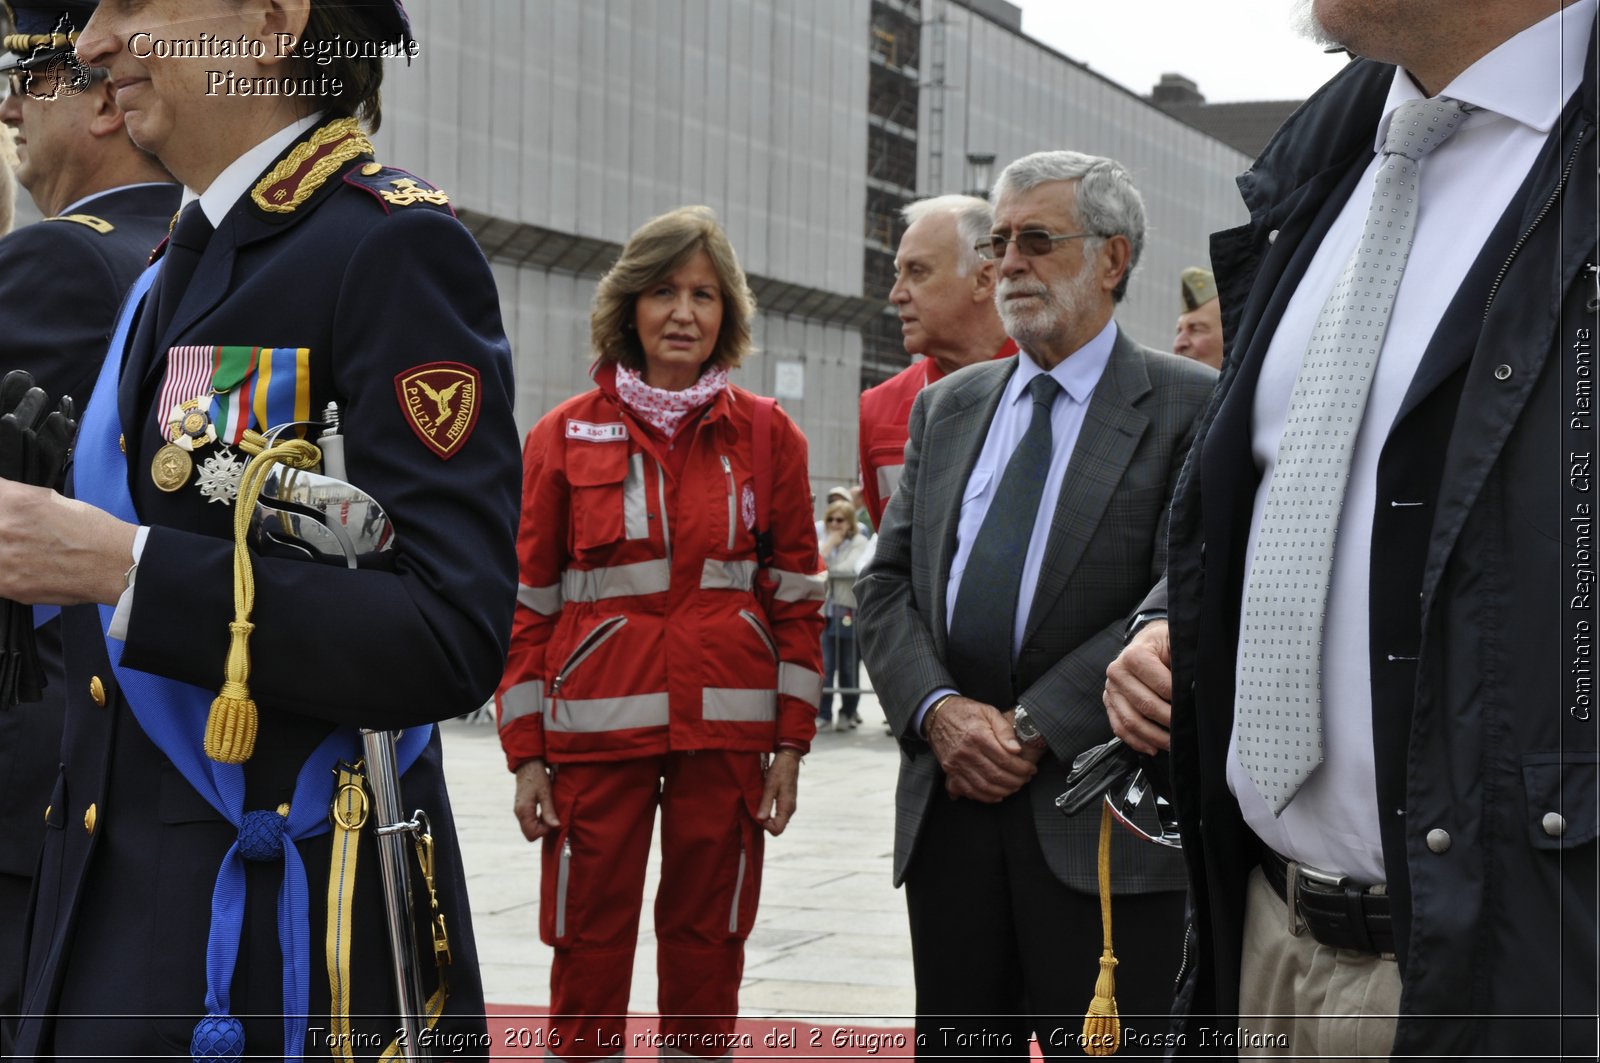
(1107,549)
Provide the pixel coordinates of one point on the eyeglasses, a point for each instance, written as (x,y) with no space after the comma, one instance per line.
(837,520)
(1031,242)
(53,81)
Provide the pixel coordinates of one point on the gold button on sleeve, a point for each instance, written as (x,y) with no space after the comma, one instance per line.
(97,691)
(88,819)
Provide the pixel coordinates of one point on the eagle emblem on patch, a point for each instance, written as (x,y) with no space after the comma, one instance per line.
(747,507)
(440,403)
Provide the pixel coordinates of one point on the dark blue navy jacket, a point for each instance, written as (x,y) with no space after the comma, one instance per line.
(61,281)
(373,289)
(1485,764)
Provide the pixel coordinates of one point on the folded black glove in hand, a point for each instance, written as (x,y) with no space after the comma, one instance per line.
(35,444)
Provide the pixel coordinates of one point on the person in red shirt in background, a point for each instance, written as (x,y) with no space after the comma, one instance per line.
(944,293)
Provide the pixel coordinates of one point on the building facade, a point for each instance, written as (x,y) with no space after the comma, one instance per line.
(558,126)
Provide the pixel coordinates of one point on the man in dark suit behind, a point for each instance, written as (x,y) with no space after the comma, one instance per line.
(106,206)
(1010,559)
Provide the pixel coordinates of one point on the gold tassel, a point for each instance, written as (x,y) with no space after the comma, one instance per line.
(232,724)
(1102,1028)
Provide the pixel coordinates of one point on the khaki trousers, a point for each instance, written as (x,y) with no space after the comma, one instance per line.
(1303,1000)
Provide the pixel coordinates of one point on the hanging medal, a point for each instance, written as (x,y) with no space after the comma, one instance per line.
(187,424)
(220,475)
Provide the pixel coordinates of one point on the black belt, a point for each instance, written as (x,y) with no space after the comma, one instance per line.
(1339,913)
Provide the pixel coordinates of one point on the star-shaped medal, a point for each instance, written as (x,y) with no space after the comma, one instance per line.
(219,475)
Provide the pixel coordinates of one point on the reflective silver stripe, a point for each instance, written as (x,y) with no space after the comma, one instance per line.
(800,586)
(889,479)
(738,888)
(740,706)
(546,601)
(616,581)
(563,879)
(727,469)
(727,575)
(633,504)
(800,682)
(524,699)
(594,715)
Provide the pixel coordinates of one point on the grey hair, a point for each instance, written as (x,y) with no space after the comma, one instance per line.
(1108,204)
(974,218)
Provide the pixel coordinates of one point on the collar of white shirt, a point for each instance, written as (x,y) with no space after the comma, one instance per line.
(1077,373)
(237,178)
(1500,83)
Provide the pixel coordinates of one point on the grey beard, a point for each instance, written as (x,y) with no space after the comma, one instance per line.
(1058,307)
(1303,21)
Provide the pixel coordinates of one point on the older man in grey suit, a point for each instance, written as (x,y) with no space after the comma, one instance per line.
(1029,522)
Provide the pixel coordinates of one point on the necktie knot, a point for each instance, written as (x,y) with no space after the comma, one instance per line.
(1419,126)
(192,230)
(1044,389)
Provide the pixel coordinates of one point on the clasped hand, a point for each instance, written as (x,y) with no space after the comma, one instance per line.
(978,749)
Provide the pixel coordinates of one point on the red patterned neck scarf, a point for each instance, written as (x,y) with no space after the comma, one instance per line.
(665,410)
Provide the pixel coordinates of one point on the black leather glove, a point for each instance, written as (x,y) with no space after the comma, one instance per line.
(1094,771)
(35,446)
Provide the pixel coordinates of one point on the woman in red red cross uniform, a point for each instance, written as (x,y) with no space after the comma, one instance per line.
(657,657)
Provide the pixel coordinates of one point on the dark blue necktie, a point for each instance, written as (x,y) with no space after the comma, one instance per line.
(189,239)
(978,653)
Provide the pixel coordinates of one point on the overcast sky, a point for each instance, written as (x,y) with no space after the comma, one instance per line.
(1232,49)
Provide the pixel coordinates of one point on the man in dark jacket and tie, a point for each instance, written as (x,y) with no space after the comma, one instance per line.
(1404,862)
(1032,507)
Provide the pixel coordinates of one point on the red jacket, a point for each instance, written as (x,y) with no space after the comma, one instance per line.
(637,628)
(885,427)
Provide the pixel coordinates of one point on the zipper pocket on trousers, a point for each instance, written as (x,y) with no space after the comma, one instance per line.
(591,642)
(733,499)
(772,647)
(563,873)
(738,888)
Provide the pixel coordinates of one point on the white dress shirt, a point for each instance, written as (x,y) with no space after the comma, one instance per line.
(1466,184)
(1078,373)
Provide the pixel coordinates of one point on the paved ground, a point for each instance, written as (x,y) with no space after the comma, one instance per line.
(830,940)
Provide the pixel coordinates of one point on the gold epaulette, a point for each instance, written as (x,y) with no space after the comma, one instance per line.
(307,168)
(99,225)
(394,187)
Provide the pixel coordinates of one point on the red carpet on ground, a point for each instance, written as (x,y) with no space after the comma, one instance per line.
(521,1032)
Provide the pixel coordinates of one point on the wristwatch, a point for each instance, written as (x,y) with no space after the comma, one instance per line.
(1138,622)
(1027,731)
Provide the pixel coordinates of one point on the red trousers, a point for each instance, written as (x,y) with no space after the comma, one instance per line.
(592,887)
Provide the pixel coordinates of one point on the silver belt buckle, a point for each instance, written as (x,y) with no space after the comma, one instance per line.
(1315,876)
(1327,879)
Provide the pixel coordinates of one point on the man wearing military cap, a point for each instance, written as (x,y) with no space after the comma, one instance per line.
(1200,325)
(106,204)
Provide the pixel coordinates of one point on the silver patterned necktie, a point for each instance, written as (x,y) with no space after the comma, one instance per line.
(1279,699)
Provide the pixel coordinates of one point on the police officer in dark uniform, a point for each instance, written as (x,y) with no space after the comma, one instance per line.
(199,891)
(107,205)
